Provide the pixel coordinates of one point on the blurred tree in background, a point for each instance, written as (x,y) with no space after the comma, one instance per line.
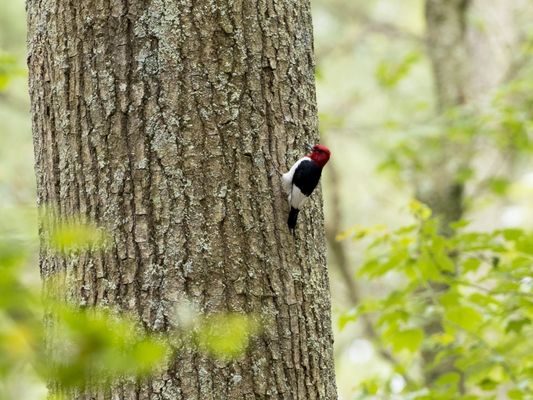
(427,100)
(439,108)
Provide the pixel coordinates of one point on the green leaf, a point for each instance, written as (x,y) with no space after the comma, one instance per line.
(394,260)
(516,325)
(427,267)
(419,210)
(488,384)
(439,252)
(407,339)
(443,338)
(94,345)
(471,265)
(148,354)
(226,335)
(390,73)
(524,244)
(465,174)
(392,317)
(484,300)
(371,386)
(463,316)
(499,186)
(457,225)
(9,69)
(69,237)
(513,234)
(449,380)
(72,234)
(515,394)
(347,317)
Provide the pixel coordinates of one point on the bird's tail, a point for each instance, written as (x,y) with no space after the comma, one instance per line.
(293,217)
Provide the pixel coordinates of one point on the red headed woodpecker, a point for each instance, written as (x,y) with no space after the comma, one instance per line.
(300,181)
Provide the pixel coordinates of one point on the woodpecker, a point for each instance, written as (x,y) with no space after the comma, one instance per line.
(300,181)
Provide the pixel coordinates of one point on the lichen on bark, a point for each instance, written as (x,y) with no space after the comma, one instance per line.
(162,120)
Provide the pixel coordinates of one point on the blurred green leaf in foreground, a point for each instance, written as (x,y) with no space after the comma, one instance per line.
(45,341)
(9,69)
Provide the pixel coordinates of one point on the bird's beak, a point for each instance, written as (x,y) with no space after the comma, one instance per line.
(309,147)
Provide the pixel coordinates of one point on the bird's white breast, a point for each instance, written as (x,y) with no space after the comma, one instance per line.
(296,198)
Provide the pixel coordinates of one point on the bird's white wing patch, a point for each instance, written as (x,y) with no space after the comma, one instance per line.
(296,198)
(286,178)
(286,181)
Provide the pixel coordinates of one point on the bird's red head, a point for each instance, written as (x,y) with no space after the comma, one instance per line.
(320,154)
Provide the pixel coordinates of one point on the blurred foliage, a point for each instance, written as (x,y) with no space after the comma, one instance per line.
(72,235)
(464,300)
(95,347)
(226,336)
(504,125)
(45,340)
(487,307)
(376,102)
(9,69)
(390,72)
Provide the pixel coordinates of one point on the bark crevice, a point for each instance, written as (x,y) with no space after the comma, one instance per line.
(164,119)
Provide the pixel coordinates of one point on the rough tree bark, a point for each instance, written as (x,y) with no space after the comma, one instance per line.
(161,120)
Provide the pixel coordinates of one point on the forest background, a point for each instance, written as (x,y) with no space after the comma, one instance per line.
(426,114)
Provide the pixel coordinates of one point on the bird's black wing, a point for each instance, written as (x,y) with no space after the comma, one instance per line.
(306,176)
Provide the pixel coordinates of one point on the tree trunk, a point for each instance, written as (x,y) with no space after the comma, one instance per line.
(446,40)
(470,46)
(446,32)
(162,121)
